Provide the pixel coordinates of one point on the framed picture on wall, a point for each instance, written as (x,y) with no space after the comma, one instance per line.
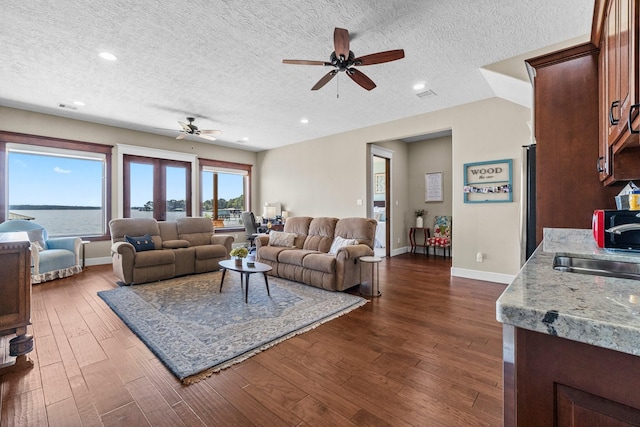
(379,183)
(433,187)
(488,182)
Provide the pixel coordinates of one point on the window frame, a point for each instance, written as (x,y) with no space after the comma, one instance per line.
(159,184)
(223,167)
(57,144)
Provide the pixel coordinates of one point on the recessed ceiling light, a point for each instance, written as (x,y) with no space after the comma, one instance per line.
(304,121)
(108,56)
(245,138)
(418,86)
(79,103)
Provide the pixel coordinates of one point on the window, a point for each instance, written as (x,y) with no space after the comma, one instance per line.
(156,188)
(60,184)
(224,191)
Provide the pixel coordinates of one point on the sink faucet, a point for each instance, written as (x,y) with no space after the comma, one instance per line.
(619,229)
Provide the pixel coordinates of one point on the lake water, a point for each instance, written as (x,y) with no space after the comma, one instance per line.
(82,222)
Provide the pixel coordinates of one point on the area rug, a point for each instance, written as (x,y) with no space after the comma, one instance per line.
(195,330)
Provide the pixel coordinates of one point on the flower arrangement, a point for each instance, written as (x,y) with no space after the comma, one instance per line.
(239,252)
(419,212)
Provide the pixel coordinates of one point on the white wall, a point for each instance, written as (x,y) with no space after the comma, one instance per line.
(327,176)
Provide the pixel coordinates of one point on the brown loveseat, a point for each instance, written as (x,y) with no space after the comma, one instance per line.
(185,246)
(302,252)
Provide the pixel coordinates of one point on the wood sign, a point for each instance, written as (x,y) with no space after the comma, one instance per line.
(488,182)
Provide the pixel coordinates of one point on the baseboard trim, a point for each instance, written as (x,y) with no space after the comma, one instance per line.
(482,275)
(97,261)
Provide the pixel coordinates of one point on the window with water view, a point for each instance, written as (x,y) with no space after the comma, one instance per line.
(62,190)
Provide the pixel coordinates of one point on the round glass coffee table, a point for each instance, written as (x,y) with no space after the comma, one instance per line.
(245,271)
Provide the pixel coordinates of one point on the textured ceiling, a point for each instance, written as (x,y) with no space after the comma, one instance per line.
(221,60)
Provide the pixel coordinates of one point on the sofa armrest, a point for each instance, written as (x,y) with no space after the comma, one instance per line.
(125,249)
(69,243)
(261,240)
(353,252)
(224,240)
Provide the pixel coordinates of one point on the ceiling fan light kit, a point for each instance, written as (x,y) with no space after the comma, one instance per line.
(191,129)
(343,59)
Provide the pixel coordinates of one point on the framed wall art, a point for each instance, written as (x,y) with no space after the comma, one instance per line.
(433,187)
(488,182)
(379,183)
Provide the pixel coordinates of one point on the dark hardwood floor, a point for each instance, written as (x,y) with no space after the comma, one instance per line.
(426,353)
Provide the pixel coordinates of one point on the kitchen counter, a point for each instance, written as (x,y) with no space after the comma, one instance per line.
(596,310)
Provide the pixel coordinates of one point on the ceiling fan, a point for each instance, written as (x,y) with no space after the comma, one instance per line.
(343,59)
(191,129)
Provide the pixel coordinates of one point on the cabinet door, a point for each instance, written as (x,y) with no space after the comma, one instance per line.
(578,408)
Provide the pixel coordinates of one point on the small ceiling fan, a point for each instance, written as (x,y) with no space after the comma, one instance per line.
(191,129)
(343,59)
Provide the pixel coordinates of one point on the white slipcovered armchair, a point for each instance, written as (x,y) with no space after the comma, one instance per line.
(51,258)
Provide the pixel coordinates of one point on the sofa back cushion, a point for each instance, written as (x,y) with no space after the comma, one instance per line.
(299,225)
(168,230)
(361,229)
(135,227)
(196,230)
(321,232)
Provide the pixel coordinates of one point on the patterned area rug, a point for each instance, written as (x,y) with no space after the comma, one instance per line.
(195,330)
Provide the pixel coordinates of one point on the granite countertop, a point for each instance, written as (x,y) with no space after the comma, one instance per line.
(597,310)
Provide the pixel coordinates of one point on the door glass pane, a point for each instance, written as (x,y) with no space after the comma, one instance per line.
(207,193)
(230,198)
(141,185)
(176,196)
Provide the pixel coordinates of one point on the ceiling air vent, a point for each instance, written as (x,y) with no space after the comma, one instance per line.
(426,94)
(67,106)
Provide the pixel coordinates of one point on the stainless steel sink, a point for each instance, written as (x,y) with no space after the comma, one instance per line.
(597,267)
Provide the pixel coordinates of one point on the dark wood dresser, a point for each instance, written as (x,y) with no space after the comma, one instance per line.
(15,304)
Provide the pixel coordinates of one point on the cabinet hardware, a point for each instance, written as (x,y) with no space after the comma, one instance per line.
(612,120)
(631,129)
(599,164)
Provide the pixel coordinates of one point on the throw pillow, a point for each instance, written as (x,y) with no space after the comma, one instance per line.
(280,238)
(141,243)
(37,236)
(37,246)
(340,242)
(175,244)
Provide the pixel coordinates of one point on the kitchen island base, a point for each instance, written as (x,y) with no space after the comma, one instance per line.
(552,381)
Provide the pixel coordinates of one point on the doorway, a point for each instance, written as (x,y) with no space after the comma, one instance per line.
(380,199)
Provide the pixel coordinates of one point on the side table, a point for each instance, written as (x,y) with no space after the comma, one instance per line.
(84,244)
(375,273)
(412,239)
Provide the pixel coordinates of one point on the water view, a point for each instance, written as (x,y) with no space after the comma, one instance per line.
(89,222)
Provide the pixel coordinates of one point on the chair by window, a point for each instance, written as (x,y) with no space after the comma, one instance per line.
(250,228)
(441,235)
(51,258)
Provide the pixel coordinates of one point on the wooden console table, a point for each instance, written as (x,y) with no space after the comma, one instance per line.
(412,239)
(15,304)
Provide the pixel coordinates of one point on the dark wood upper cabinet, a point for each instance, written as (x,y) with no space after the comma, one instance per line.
(615,32)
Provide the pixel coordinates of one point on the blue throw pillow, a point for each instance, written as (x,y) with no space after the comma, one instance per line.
(142,243)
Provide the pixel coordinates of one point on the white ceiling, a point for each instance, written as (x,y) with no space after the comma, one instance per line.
(221,60)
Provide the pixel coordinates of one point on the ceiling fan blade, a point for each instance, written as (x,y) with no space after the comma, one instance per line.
(380,57)
(304,62)
(209,137)
(210,131)
(323,81)
(341,42)
(181,136)
(360,78)
(185,126)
